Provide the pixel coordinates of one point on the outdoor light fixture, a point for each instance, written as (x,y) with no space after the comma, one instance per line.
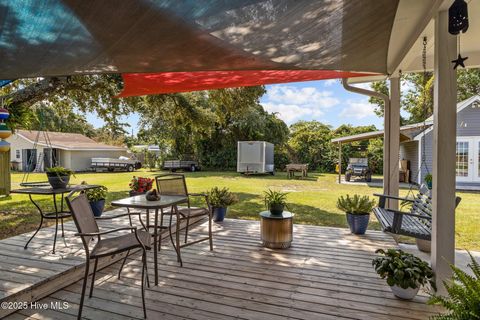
(458,17)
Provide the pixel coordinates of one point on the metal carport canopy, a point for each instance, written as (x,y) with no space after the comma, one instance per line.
(68,37)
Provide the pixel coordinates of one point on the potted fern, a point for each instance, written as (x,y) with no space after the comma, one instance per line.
(357,209)
(275,201)
(463,299)
(404,272)
(59,177)
(220,200)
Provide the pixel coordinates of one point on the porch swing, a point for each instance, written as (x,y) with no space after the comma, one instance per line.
(36,163)
(416,223)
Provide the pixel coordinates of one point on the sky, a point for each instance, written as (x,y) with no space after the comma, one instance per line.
(325,101)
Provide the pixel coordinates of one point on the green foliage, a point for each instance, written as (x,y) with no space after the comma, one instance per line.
(272,197)
(60,171)
(463,300)
(221,198)
(310,142)
(428,178)
(96,194)
(418,99)
(356,204)
(403,269)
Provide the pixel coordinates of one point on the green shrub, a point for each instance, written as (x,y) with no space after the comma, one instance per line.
(463,301)
(221,198)
(356,204)
(403,269)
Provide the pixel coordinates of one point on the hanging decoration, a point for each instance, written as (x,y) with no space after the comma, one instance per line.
(458,23)
(5,132)
(458,17)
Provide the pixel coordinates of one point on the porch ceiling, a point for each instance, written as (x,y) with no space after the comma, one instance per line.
(52,37)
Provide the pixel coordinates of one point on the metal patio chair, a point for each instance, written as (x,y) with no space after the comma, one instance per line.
(174,184)
(88,230)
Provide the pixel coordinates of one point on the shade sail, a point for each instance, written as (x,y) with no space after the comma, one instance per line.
(137,84)
(65,37)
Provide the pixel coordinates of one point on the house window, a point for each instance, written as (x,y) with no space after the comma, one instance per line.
(462,159)
(17,154)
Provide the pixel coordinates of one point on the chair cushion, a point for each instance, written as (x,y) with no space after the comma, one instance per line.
(109,246)
(193,212)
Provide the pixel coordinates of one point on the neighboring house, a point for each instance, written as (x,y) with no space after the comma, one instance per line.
(37,150)
(416,141)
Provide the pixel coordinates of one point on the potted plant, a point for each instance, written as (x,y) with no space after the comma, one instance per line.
(357,209)
(275,201)
(428,180)
(220,200)
(404,272)
(96,197)
(139,185)
(463,299)
(59,177)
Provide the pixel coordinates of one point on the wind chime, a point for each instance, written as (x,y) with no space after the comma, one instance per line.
(5,132)
(458,23)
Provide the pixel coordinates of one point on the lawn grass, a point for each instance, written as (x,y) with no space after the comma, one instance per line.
(313,200)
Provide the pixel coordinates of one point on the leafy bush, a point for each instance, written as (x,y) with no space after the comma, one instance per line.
(96,194)
(463,301)
(356,204)
(403,269)
(59,171)
(221,198)
(272,197)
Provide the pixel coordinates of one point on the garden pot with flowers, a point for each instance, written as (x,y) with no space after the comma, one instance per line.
(140,185)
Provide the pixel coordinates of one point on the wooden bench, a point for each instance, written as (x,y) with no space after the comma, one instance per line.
(417,223)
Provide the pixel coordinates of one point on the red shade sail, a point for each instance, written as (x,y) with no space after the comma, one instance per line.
(139,84)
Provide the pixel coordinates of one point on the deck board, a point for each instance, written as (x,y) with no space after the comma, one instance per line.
(326,274)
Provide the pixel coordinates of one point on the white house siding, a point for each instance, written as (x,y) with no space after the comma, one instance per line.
(18,143)
(409,151)
(81,160)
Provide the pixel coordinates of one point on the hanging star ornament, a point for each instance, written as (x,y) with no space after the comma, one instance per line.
(459,62)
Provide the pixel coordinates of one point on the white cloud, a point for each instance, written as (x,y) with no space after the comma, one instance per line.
(330,82)
(364,85)
(357,110)
(293,104)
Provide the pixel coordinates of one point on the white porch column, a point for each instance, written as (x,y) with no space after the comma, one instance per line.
(391,142)
(444,145)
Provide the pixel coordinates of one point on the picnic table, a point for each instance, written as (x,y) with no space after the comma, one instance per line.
(296,167)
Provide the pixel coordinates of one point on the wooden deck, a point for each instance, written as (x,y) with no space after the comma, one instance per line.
(326,274)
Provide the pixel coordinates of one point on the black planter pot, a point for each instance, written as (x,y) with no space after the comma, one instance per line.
(358,222)
(276,209)
(58,182)
(97,207)
(135,193)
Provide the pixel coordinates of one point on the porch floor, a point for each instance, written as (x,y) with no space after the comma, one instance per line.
(326,274)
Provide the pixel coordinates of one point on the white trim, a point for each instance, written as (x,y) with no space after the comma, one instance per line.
(419,172)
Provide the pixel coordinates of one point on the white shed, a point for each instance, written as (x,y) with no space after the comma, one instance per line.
(69,150)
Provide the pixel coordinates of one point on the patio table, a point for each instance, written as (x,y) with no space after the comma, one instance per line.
(57,214)
(140,202)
